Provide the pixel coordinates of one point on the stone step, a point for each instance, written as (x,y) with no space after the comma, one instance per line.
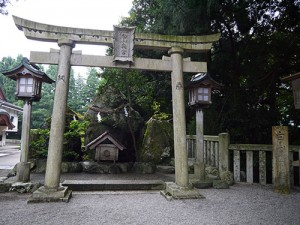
(114,185)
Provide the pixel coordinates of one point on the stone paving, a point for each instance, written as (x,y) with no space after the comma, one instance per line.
(241,204)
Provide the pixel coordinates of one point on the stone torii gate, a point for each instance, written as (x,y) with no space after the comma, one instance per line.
(123,40)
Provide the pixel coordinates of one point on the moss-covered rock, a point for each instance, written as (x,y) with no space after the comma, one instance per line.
(111,112)
(158,142)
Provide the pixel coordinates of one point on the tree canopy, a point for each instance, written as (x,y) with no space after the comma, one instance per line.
(259,45)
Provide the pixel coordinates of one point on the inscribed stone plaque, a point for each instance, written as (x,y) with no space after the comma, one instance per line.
(281,171)
(123,43)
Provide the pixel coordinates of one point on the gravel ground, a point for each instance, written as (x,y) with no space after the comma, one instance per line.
(241,204)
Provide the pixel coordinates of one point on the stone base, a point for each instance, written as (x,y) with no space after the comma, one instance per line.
(199,170)
(220,184)
(43,194)
(23,172)
(178,192)
(202,184)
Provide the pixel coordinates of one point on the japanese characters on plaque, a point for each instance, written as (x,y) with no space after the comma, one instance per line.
(123,43)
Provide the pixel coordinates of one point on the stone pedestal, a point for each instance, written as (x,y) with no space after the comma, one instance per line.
(199,170)
(174,191)
(23,172)
(43,194)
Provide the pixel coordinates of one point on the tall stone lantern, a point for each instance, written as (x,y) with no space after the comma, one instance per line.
(200,88)
(29,79)
(295,80)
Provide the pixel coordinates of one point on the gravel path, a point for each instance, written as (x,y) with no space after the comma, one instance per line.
(241,204)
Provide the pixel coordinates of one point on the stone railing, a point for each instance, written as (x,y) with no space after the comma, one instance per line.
(215,149)
(13,141)
(264,155)
(243,159)
(248,169)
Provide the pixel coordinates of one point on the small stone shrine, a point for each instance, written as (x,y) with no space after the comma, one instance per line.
(107,147)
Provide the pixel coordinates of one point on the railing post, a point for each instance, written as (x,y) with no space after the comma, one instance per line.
(223,152)
(249,166)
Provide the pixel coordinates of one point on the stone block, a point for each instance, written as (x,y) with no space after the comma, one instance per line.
(202,184)
(165,169)
(4,187)
(174,191)
(227,176)
(61,194)
(114,185)
(71,167)
(220,184)
(40,166)
(144,168)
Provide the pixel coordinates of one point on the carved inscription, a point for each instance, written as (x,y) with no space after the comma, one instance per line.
(281,173)
(61,77)
(123,43)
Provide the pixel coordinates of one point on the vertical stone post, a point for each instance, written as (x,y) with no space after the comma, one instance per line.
(223,152)
(3,136)
(199,165)
(281,167)
(23,168)
(52,177)
(179,124)
(53,191)
(181,189)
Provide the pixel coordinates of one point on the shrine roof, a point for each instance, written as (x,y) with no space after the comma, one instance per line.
(102,138)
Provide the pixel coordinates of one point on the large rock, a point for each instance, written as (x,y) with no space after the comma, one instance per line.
(212,173)
(71,167)
(158,141)
(227,177)
(111,112)
(144,168)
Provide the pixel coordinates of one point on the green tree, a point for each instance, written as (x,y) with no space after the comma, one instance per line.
(8,85)
(41,111)
(259,44)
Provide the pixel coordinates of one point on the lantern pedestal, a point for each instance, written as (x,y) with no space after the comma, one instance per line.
(199,170)
(23,172)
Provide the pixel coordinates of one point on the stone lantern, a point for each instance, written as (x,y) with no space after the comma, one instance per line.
(295,80)
(200,88)
(29,80)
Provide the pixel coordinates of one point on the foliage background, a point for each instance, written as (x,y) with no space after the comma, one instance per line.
(259,45)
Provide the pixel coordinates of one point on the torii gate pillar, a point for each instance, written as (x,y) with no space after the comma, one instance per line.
(181,188)
(179,125)
(52,189)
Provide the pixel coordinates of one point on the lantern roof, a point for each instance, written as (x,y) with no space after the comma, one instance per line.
(205,79)
(25,67)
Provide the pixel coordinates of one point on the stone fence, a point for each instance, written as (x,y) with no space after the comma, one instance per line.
(13,141)
(251,163)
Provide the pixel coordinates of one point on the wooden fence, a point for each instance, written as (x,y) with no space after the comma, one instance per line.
(249,162)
